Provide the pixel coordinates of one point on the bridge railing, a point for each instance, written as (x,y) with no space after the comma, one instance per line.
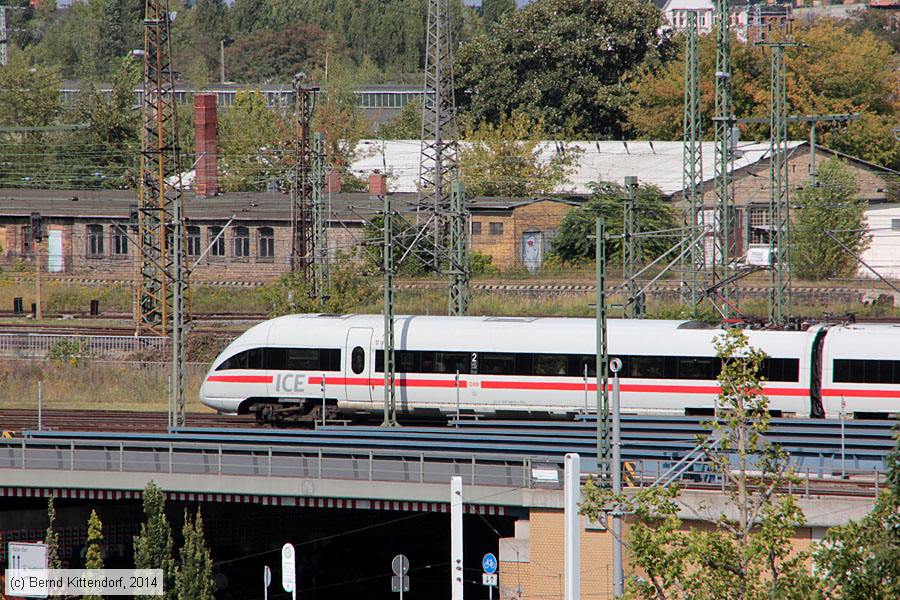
(39,345)
(191,458)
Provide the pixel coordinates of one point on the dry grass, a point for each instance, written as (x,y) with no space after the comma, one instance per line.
(94,385)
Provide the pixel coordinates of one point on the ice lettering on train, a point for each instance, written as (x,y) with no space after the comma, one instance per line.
(289,382)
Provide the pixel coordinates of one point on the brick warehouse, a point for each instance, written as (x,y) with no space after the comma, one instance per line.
(88,232)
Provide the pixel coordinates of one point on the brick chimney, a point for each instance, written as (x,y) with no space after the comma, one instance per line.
(333,182)
(206,181)
(378,184)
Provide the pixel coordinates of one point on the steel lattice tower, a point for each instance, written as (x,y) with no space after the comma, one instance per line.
(320,219)
(161,291)
(777,39)
(630,230)
(302,188)
(724,121)
(692,166)
(438,163)
(460,295)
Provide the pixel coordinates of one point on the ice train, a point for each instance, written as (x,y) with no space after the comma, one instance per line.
(297,366)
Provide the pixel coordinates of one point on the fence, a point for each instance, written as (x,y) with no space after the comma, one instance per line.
(39,345)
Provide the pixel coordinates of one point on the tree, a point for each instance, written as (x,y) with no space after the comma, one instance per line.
(153,548)
(505,159)
(93,559)
(348,291)
(566,62)
(746,552)
(194,577)
(405,126)
(861,560)
(834,71)
(493,10)
(275,56)
(831,207)
(252,140)
(574,240)
(51,538)
(29,96)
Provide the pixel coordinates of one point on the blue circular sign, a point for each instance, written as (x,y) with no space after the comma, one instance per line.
(489,563)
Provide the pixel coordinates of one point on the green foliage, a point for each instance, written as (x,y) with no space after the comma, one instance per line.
(348,290)
(566,62)
(29,96)
(745,553)
(573,242)
(405,126)
(194,576)
(832,206)
(153,548)
(505,159)
(494,10)
(70,350)
(93,559)
(837,70)
(251,139)
(275,56)
(861,560)
(338,115)
(51,538)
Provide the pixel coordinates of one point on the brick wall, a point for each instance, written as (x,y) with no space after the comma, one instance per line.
(541,577)
(506,248)
(77,260)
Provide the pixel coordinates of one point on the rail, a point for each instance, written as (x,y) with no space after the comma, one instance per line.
(378,464)
(35,345)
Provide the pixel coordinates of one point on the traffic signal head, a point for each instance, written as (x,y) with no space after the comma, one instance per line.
(37,227)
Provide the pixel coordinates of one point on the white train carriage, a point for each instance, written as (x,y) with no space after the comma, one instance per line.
(505,366)
(861,370)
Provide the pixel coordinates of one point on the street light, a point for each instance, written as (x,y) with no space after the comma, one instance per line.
(225,41)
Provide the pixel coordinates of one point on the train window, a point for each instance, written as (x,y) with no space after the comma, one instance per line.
(358,360)
(276,359)
(695,368)
(493,363)
(866,371)
(238,361)
(302,359)
(255,358)
(550,364)
(451,362)
(644,367)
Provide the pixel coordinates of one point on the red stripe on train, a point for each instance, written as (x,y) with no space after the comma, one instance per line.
(629,387)
(240,378)
(863,393)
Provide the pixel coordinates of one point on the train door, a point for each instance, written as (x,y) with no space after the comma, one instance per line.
(358,365)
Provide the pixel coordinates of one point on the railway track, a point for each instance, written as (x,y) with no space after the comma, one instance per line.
(15,421)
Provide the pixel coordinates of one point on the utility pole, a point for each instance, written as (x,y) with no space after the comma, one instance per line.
(777,39)
(4,38)
(630,229)
(438,163)
(460,294)
(321,276)
(37,236)
(724,137)
(390,399)
(302,209)
(692,171)
(161,297)
(603,422)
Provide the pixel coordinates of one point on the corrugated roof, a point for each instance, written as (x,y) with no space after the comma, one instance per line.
(657,163)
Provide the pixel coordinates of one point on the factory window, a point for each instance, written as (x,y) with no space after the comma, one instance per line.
(476,228)
(495,228)
(193,240)
(285,359)
(866,371)
(95,240)
(895,224)
(216,242)
(119,241)
(241,242)
(358,360)
(266,242)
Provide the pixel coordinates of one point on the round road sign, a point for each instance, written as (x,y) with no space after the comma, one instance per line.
(400,565)
(489,563)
